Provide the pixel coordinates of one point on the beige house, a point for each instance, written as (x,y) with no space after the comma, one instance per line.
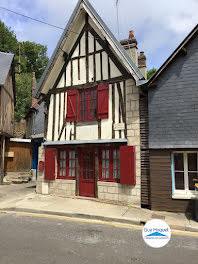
(92,125)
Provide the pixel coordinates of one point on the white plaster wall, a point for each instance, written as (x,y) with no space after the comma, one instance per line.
(89,132)
(50,118)
(68,74)
(114,70)
(105,65)
(91,69)
(82,45)
(91,43)
(62,81)
(98,72)
(56,133)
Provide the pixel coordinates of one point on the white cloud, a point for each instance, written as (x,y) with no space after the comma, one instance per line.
(159,25)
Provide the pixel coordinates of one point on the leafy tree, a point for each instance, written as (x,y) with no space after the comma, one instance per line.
(23,94)
(150,73)
(8,40)
(33,58)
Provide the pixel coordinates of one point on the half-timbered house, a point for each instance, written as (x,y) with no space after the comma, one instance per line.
(92,124)
(7,99)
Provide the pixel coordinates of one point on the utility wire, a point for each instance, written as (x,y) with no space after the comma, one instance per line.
(31,18)
(34,19)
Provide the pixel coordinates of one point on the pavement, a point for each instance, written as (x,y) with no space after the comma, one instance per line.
(24,199)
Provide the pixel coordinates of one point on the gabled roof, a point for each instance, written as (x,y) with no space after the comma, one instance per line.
(5,63)
(172,56)
(117,47)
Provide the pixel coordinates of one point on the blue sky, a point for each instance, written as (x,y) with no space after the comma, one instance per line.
(159,25)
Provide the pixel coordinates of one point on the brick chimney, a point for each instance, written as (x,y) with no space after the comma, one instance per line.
(130,45)
(34,84)
(142,64)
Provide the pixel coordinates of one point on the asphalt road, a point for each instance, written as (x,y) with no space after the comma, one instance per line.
(36,240)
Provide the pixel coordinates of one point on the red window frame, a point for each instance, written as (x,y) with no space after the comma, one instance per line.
(66,162)
(87,104)
(107,164)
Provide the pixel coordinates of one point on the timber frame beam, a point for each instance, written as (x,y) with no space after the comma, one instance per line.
(89,85)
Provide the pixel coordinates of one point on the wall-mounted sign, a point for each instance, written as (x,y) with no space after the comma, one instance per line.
(9,154)
(119,126)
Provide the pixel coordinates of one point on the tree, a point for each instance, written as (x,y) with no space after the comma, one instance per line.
(8,40)
(33,58)
(150,73)
(23,94)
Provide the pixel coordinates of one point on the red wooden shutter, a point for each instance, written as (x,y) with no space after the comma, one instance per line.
(127,165)
(71,106)
(103,101)
(50,164)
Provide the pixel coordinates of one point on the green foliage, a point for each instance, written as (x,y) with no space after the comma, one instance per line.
(150,73)
(23,94)
(33,59)
(8,40)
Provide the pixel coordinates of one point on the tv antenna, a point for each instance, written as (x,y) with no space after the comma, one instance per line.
(118,26)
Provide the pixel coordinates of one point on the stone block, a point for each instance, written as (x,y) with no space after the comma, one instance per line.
(123,198)
(39,187)
(111,190)
(135,113)
(44,187)
(130,133)
(101,196)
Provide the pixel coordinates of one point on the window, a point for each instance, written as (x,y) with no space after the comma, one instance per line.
(66,164)
(110,165)
(88,105)
(185,170)
(116,164)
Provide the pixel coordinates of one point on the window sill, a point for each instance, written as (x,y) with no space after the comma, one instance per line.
(109,180)
(65,178)
(87,122)
(185,196)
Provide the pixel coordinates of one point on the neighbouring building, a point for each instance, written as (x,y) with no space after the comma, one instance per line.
(92,124)
(173,129)
(35,119)
(7,101)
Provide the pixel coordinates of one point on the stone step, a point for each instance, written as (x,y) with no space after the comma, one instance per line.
(21,177)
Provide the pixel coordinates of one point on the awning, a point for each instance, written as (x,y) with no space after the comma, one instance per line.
(78,142)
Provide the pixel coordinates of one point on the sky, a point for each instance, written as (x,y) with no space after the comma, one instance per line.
(159,26)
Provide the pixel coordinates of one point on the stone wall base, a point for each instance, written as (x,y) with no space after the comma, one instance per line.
(118,192)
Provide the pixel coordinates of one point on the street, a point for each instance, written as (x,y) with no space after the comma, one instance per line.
(30,239)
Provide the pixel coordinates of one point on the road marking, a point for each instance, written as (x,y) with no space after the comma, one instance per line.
(92,221)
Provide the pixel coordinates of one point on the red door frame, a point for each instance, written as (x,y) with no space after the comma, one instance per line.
(87,184)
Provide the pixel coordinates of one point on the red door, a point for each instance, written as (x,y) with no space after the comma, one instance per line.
(87,173)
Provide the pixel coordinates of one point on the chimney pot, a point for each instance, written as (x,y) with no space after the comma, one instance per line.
(131,33)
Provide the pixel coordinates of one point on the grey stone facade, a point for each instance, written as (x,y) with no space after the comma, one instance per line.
(173,103)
